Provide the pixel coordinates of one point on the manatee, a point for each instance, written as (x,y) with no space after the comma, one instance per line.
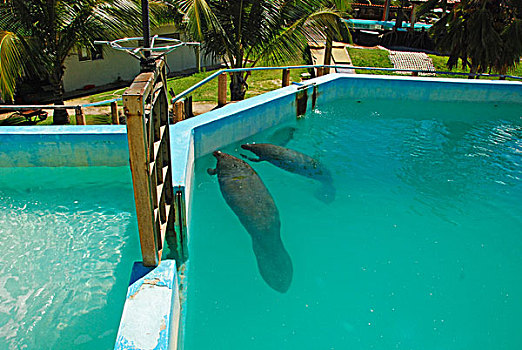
(294,162)
(247,196)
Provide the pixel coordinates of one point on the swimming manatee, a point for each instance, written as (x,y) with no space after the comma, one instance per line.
(247,196)
(294,162)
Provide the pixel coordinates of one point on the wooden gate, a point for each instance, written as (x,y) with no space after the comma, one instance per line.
(146,108)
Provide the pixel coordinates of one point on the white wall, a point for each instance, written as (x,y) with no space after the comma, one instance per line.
(120,65)
(114,65)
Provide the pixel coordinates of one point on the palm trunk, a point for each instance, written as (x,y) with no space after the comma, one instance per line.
(60,116)
(399,19)
(472,71)
(328,52)
(238,86)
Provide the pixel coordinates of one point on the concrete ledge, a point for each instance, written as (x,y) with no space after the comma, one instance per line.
(150,318)
(361,86)
(57,146)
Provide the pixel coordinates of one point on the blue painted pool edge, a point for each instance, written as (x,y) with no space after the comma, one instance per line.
(60,146)
(150,318)
(198,136)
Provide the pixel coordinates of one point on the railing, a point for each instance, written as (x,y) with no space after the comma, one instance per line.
(145,105)
(78,109)
(80,117)
(321,69)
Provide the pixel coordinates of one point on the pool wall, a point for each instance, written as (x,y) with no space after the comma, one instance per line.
(363,86)
(196,137)
(60,146)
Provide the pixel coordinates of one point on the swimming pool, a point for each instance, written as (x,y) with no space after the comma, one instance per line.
(418,249)
(370,211)
(68,239)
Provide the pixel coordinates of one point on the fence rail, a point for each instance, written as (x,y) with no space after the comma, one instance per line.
(320,70)
(78,109)
(222,86)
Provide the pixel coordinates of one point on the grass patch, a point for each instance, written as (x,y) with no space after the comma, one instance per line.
(370,58)
(107,95)
(258,82)
(440,63)
(379,58)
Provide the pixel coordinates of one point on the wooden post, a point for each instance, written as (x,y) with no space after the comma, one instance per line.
(134,104)
(80,118)
(327,53)
(286,77)
(222,89)
(414,74)
(179,110)
(188,107)
(320,71)
(386,13)
(114,113)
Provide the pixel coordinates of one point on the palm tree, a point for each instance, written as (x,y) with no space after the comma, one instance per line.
(37,35)
(485,35)
(245,32)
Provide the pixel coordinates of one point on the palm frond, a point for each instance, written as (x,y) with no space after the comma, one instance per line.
(11,64)
(430,5)
(166,12)
(200,16)
(290,43)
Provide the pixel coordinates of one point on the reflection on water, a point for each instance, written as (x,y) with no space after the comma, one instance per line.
(63,269)
(450,163)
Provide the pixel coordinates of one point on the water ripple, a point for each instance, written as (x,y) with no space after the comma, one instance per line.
(59,260)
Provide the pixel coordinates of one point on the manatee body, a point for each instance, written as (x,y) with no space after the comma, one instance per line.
(249,199)
(294,162)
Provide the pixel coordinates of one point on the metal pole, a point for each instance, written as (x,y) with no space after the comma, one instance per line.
(146,64)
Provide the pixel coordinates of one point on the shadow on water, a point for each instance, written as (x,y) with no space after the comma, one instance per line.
(282,135)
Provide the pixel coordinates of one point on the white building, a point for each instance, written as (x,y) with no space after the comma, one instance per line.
(85,69)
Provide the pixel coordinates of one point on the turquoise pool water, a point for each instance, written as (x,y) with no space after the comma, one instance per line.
(68,238)
(421,248)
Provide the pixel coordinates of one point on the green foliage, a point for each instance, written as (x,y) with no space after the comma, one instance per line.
(244,32)
(12,120)
(485,35)
(39,34)
(9,73)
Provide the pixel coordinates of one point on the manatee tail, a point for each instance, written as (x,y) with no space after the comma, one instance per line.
(326,193)
(274,264)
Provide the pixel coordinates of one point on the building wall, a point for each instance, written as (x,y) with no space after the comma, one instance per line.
(117,65)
